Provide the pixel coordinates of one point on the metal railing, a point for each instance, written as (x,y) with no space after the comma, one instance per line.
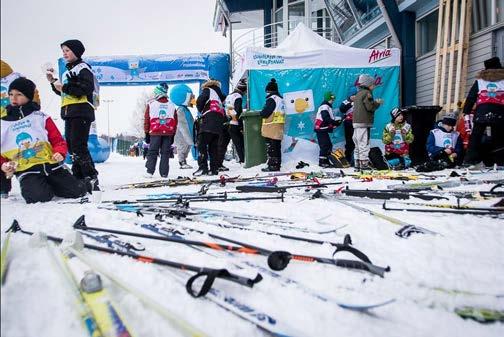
(273,34)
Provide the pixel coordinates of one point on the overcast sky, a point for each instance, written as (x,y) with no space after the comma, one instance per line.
(32,30)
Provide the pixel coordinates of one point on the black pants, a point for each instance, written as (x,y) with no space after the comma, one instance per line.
(349,144)
(38,187)
(236,133)
(224,140)
(208,145)
(5,184)
(159,145)
(490,150)
(77,134)
(442,156)
(274,152)
(325,144)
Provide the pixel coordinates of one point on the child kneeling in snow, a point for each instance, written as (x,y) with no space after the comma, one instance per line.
(397,136)
(444,144)
(33,149)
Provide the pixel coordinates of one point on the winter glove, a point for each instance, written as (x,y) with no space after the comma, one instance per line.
(72,77)
(338,122)
(468,124)
(147,138)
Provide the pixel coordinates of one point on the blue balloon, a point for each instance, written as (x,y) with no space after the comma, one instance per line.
(180,94)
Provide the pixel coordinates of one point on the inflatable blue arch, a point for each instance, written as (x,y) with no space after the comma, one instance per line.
(151,70)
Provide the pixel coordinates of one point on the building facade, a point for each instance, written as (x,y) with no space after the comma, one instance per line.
(361,23)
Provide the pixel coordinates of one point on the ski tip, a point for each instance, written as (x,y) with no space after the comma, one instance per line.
(80,222)
(73,240)
(14,227)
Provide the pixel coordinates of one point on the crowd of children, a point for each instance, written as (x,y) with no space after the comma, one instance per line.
(34,151)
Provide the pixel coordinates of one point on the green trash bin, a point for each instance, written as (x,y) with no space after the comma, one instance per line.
(255,146)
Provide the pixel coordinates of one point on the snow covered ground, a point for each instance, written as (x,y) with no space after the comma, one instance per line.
(467,256)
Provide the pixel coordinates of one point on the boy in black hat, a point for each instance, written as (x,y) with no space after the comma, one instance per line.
(487,140)
(78,89)
(444,144)
(273,114)
(33,149)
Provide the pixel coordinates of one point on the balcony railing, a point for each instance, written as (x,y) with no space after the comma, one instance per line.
(273,34)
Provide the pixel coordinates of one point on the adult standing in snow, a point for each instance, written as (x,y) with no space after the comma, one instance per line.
(325,123)
(234,109)
(33,149)
(211,119)
(346,108)
(273,114)
(487,93)
(160,126)
(363,117)
(79,97)
(182,96)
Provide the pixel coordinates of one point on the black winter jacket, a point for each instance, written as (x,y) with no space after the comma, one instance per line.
(84,86)
(482,110)
(269,105)
(211,122)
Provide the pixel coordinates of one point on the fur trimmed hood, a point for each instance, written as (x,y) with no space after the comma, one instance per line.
(491,75)
(211,83)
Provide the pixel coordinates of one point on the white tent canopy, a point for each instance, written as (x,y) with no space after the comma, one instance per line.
(304,48)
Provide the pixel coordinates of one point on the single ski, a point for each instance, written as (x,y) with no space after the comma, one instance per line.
(481,315)
(406,230)
(58,258)
(179,323)
(4,263)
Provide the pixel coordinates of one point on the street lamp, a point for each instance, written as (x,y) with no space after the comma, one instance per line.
(108,101)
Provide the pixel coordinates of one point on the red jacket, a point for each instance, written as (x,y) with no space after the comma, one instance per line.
(163,120)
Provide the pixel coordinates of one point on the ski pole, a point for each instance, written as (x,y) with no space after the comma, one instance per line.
(402,232)
(210,273)
(276,260)
(345,246)
(245,248)
(445,210)
(80,224)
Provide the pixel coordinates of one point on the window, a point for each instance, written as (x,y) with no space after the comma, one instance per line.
(321,23)
(481,16)
(296,14)
(427,33)
(500,11)
(279,31)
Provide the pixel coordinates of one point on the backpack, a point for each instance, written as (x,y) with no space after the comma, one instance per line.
(337,159)
(377,160)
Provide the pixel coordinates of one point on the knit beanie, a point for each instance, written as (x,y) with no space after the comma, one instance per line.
(25,86)
(242,85)
(272,86)
(5,69)
(450,119)
(395,113)
(493,63)
(366,80)
(328,96)
(161,90)
(75,46)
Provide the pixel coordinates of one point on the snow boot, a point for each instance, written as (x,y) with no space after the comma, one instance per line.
(201,171)
(184,165)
